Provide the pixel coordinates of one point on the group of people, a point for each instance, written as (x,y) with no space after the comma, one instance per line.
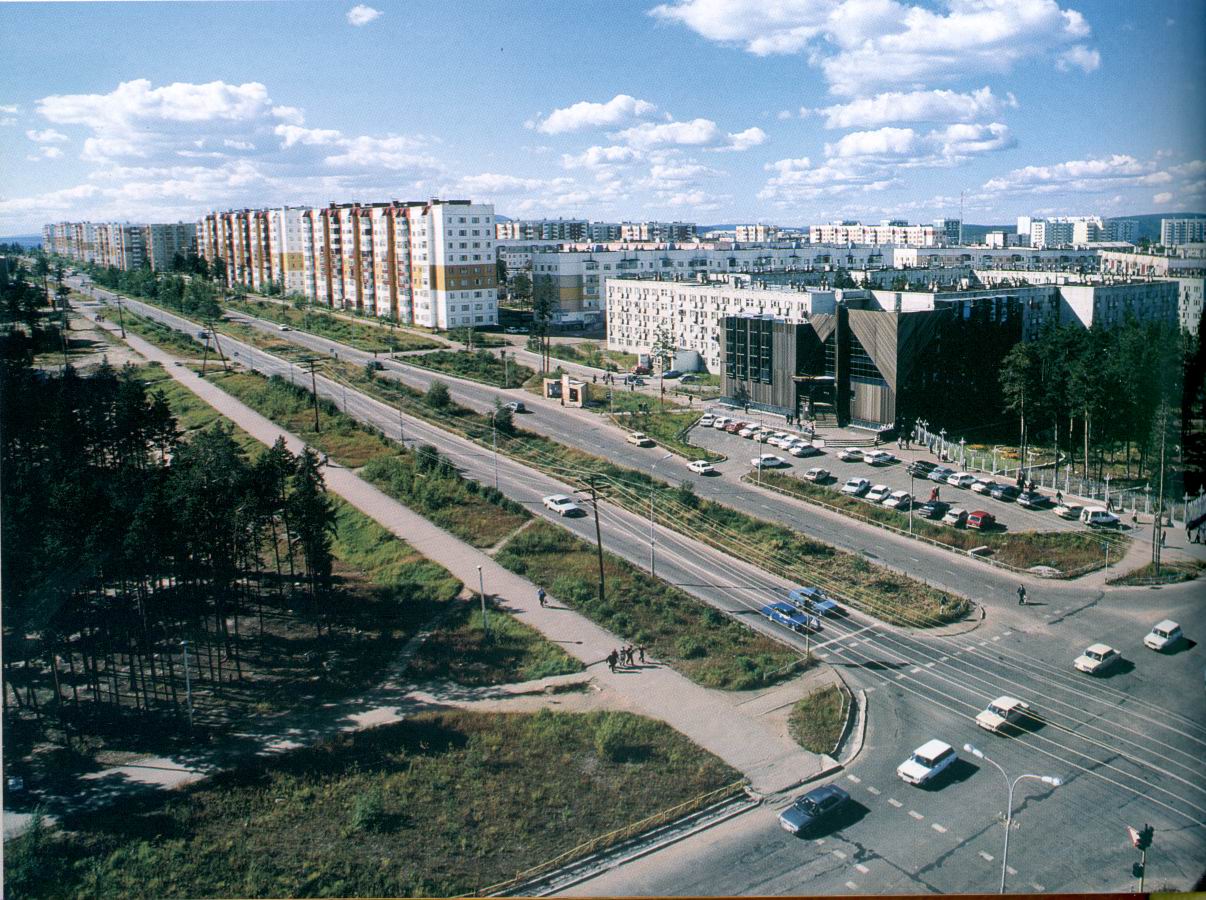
(625,656)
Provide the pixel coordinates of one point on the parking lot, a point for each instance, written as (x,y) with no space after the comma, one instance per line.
(740,451)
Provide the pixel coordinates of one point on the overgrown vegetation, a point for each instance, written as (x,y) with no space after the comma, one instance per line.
(369,336)
(476,365)
(817,721)
(667,425)
(441,804)
(1170,573)
(591,354)
(162,336)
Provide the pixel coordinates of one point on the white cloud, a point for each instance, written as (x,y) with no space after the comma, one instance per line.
(391,152)
(45,153)
(8,120)
(136,101)
(784,114)
(743,140)
(238,145)
(9,109)
(585,114)
(48,136)
(1094,176)
(593,157)
(360,15)
(1162,198)
(961,140)
(296,134)
(696,133)
(797,180)
(914,106)
(289,114)
(1080,57)
(885,141)
(684,171)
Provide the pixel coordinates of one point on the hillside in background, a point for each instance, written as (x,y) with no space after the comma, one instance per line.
(25,240)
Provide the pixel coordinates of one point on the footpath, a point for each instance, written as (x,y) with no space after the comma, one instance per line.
(712,719)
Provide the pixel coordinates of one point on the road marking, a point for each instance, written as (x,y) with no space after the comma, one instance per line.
(1011,870)
(854,778)
(929,665)
(916,815)
(945,658)
(873,790)
(839,854)
(987,856)
(819,841)
(1006,633)
(861,868)
(852,885)
(938,828)
(821,655)
(895,802)
(1038,887)
(915,669)
(997,637)
(868,690)
(900,676)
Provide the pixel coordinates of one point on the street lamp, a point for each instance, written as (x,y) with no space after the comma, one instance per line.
(1050,780)
(188,684)
(494,430)
(481,592)
(962,453)
(652,490)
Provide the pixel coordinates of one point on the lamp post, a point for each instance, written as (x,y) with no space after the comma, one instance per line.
(494,431)
(942,442)
(481,592)
(1050,780)
(912,501)
(652,491)
(962,453)
(188,684)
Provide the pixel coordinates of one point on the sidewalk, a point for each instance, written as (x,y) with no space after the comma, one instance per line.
(710,718)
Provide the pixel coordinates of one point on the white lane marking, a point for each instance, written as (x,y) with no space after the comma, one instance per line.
(821,655)
(839,854)
(938,828)
(841,637)
(1038,887)
(915,669)
(854,778)
(861,868)
(852,885)
(895,802)
(1006,633)
(873,790)
(929,665)
(987,856)
(916,815)
(996,637)
(983,643)
(901,676)
(819,841)
(945,658)
(1011,870)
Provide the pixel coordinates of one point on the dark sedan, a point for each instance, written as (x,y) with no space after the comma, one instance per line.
(935,509)
(813,808)
(1006,492)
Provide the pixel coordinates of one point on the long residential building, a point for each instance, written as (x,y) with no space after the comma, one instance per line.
(429,263)
(121,245)
(893,231)
(1174,232)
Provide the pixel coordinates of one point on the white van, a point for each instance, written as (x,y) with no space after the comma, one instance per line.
(1098,516)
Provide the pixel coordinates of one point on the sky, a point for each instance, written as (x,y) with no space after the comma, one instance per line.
(712,111)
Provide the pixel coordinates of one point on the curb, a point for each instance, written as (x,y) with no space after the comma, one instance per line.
(859,728)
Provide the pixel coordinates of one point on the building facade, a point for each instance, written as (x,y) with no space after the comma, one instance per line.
(893,231)
(1174,232)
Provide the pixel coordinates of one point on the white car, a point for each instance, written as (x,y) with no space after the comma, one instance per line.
(1163,635)
(850,454)
(817,474)
(1068,511)
(856,486)
(961,479)
(768,461)
(879,493)
(706,420)
(878,458)
(701,467)
(801,448)
(983,486)
(1098,516)
(1097,659)
(761,436)
(561,504)
(899,500)
(748,432)
(640,439)
(777,438)
(1002,713)
(720,421)
(284,328)
(927,762)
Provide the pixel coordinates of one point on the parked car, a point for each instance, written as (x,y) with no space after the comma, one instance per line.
(927,762)
(1164,635)
(802,448)
(816,474)
(878,458)
(689,379)
(850,454)
(516,406)
(940,474)
(1033,500)
(640,370)
(981,520)
(983,486)
(734,427)
(701,467)
(1002,714)
(901,500)
(879,493)
(562,505)
(856,487)
(284,327)
(1004,492)
(720,422)
(783,613)
(511,329)
(933,509)
(815,601)
(761,436)
(640,439)
(1099,516)
(956,517)
(813,808)
(672,373)
(921,468)
(1068,510)
(1097,659)
(961,479)
(706,420)
(768,461)
(747,432)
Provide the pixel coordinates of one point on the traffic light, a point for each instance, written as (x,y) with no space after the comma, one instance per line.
(1137,870)
(1145,837)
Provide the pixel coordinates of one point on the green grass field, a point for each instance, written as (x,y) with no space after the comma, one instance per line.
(817,721)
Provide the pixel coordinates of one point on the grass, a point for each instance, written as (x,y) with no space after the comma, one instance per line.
(460,651)
(1071,552)
(162,336)
(476,365)
(700,642)
(591,354)
(442,804)
(368,335)
(818,720)
(1170,573)
(668,426)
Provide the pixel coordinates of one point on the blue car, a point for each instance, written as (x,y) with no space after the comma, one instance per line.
(814,600)
(789,617)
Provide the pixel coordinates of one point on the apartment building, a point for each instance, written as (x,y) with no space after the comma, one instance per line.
(949,231)
(746,234)
(892,231)
(167,241)
(543,230)
(660,232)
(1063,231)
(121,245)
(1174,232)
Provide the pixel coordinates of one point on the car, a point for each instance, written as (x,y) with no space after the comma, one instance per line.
(706,420)
(815,601)
(641,370)
(981,520)
(640,439)
(768,461)
(802,448)
(781,440)
(1002,714)
(933,509)
(940,474)
(735,427)
(1097,659)
(961,479)
(1067,510)
(761,437)
(813,808)
(1164,635)
(516,406)
(1099,516)
(637,381)
(921,468)
(901,500)
(689,379)
(856,487)
(928,761)
(701,467)
(672,373)
(983,486)
(284,328)
(511,329)
(850,454)
(746,432)
(720,422)
(1033,500)
(782,613)
(955,516)
(879,493)
(1004,492)
(878,458)
(816,474)
(562,505)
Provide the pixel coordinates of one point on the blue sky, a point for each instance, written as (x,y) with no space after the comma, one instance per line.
(787,111)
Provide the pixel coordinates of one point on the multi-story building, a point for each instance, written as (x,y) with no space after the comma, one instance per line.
(893,231)
(1062,231)
(604,232)
(543,230)
(660,232)
(1122,230)
(167,241)
(1174,232)
(949,232)
(748,234)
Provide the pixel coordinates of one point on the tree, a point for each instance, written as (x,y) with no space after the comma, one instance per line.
(437,395)
(544,306)
(503,417)
(663,348)
(312,516)
(521,286)
(500,272)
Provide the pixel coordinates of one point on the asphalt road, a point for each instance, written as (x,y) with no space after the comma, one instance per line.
(1129,747)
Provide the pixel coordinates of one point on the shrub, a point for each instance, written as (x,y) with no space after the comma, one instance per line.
(437,395)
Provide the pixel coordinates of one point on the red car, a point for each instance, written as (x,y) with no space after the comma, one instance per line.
(734,427)
(981,520)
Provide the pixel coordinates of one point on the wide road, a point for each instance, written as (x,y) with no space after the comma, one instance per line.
(1129,747)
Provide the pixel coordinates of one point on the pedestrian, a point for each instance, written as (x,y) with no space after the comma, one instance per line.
(641,653)
(628,655)
(540,595)
(1059,497)
(1163,536)
(594,379)
(1021,595)
(611,660)
(1189,536)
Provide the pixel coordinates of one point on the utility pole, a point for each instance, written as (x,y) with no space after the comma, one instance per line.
(481,592)
(205,355)
(312,362)
(218,346)
(594,499)
(1158,522)
(121,320)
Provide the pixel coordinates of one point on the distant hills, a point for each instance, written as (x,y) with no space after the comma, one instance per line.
(25,240)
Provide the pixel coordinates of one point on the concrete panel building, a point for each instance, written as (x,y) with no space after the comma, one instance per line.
(1174,232)
(167,241)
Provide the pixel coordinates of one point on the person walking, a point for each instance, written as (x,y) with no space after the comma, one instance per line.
(641,653)
(611,661)
(1059,497)
(1021,595)
(540,595)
